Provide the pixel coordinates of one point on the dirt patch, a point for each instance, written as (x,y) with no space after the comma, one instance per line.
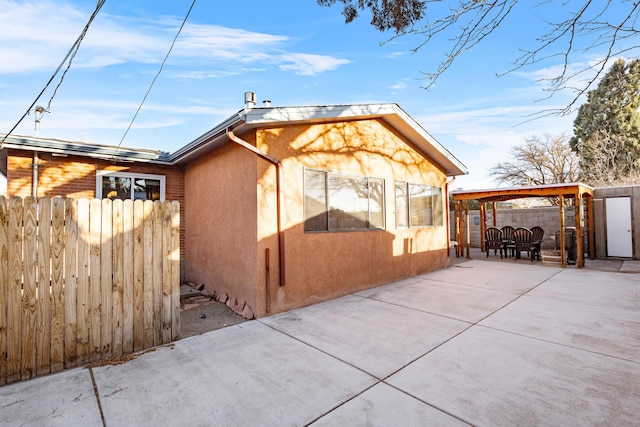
(200,314)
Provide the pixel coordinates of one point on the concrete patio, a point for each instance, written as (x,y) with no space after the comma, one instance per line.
(480,343)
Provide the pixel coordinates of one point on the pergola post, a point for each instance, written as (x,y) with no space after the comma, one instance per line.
(483,224)
(493,207)
(591,233)
(562,231)
(456,211)
(579,250)
(468,230)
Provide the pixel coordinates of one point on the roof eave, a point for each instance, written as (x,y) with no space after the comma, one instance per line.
(105,152)
(390,112)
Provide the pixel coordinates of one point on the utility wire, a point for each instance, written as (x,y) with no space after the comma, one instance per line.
(184,21)
(70,55)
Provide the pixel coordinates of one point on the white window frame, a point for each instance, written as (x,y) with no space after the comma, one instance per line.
(328,226)
(408,219)
(133,176)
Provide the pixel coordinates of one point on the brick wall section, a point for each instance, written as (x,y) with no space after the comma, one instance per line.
(75,177)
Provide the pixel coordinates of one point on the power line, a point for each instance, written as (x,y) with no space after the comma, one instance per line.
(184,21)
(70,55)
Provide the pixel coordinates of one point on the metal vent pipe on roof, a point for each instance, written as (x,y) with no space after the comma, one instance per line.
(250,99)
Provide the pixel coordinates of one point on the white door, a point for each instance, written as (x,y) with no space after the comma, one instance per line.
(619,242)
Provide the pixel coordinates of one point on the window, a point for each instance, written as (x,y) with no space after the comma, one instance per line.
(335,202)
(123,185)
(418,205)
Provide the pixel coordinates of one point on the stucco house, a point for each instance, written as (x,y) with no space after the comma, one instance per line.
(282,206)
(290,206)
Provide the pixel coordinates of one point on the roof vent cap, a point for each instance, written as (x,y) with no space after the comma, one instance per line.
(250,99)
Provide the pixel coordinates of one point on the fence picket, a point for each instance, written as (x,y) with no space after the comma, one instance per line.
(127,300)
(14,294)
(85,280)
(95,290)
(4,286)
(138,277)
(157,272)
(57,284)
(29,298)
(118,276)
(148,272)
(106,278)
(43,313)
(70,284)
(174,262)
(167,312)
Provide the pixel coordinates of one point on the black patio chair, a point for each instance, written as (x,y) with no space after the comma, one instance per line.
(537,234)
(522,239)
(507,240)
(493,240)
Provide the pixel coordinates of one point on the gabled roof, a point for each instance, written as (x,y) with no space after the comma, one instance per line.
(253,118)
(248,119)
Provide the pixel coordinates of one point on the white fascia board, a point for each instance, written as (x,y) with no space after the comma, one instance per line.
(391,113)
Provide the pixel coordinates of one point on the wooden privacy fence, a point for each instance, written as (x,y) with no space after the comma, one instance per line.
(85,280)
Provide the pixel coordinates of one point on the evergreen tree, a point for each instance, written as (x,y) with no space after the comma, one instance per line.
(607,127)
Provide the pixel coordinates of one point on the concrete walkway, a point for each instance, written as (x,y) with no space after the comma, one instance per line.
(480,343)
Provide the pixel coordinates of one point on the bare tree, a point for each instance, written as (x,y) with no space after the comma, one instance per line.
(546,160)
(609,160)
(604,28)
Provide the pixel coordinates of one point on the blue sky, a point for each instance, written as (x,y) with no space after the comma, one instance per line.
(290,52)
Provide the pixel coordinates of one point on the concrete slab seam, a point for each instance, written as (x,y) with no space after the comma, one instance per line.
(317,349)
(559,344)
(416,309)
(378,381)
(97,394)
(342,403)
(452,415)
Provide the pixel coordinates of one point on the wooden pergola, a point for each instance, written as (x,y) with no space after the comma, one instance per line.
(581,194)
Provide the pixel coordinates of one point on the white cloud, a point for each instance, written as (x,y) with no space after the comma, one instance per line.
(401,85)
(28,42)
(393,55)
(308,64)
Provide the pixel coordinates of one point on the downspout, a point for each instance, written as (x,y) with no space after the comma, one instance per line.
(446,192)
(35,174)
(278,165)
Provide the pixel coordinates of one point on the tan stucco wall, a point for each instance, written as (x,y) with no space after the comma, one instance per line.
(221,235)
(321,266)
(232,222)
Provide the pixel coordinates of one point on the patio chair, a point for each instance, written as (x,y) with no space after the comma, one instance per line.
(493,240)
(537,234)
(507,240)
(522,239)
